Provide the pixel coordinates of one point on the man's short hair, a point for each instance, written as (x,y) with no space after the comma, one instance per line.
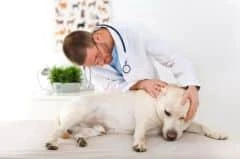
(75,46)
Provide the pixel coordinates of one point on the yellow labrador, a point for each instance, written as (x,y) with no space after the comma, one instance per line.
(130,112)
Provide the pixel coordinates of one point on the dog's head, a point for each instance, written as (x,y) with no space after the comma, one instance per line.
(173,113)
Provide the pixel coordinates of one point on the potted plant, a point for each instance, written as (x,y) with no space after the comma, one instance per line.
(65,79)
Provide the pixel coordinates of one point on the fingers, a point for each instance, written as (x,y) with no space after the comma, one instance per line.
(161,83)
(153,87)
(191,112)
(157,88)
(156,93)
(153,92)
(192,109)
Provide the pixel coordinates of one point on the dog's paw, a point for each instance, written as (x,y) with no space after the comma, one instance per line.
(141,147)
(82,142)
(51,146)
(66,135)
(216,135)
(100,129)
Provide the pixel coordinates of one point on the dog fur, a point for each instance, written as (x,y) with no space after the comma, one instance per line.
(134,112)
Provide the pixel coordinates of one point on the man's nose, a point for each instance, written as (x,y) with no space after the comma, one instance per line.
(171,135)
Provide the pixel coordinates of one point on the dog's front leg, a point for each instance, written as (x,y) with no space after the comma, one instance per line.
(201,129)
(139,138)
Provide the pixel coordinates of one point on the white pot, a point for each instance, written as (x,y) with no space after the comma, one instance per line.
(66,87)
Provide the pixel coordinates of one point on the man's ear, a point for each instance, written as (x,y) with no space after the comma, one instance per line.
(97,37)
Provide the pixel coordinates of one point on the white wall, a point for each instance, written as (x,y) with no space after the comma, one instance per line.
(206,31)
(27,45)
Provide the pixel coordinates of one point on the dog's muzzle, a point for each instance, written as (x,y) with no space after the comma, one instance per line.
(171,135)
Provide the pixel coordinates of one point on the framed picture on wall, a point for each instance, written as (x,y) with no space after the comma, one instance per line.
(71,15)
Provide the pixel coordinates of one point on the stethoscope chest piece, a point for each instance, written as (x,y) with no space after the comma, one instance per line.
(126,68)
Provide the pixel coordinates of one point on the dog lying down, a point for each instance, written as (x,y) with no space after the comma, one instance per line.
(133,112)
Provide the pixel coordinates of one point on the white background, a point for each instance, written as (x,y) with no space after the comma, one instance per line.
(206,31)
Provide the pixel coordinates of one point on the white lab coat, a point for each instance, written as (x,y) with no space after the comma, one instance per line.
(141,49)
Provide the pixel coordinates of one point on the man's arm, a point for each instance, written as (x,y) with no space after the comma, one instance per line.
(181,68)
(136,86)
(166,55)
(109,82)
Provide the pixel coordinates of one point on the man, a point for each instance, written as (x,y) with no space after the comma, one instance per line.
(122,57)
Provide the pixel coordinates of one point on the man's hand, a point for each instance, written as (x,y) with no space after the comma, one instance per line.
(153,87)
(192,95)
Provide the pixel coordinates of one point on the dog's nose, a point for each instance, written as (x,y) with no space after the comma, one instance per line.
(171,135)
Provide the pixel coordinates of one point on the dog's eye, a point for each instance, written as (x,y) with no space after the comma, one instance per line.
(181,118)
(167,113)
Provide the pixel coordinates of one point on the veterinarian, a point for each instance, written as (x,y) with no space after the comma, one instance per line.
(121,57)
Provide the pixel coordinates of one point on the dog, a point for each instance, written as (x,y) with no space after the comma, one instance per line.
(134,112)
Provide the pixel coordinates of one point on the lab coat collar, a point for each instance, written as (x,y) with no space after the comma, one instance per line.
(108,72)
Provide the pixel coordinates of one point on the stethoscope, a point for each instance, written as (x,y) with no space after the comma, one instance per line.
(126,68)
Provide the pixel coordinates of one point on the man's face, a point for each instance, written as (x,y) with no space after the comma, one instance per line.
(98,55)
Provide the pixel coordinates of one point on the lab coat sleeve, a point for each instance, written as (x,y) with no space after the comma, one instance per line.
(180,66)
(104,84)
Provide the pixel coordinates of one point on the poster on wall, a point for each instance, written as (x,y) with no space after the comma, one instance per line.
(71,15)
